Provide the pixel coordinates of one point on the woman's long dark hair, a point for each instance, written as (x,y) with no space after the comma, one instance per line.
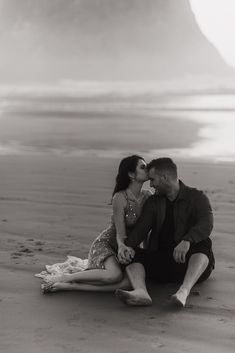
(126,166)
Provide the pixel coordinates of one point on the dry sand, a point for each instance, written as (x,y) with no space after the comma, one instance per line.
(55,206)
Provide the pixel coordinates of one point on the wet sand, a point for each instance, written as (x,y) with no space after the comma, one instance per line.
(55,206)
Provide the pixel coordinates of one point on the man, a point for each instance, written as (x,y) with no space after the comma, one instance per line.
(177,221)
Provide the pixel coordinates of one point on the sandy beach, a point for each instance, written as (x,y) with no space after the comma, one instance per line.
(84,84)
(54,206)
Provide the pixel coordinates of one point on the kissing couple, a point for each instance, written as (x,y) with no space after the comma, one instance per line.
(163,237)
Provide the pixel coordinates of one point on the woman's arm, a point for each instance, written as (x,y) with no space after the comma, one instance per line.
(119,204)
(125,253)
(143,225)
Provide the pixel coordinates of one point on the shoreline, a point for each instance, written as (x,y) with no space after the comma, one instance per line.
(118,134)
(190,127)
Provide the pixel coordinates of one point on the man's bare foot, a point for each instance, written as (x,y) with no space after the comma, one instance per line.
(180,297)
(137,297)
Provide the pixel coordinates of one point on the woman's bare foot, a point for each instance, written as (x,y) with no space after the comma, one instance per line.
(53,287)
(54,279)
(47,288)
(137,297)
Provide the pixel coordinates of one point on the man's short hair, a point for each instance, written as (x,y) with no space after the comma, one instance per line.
(164,165)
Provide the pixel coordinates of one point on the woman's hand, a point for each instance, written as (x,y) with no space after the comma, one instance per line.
(125,254)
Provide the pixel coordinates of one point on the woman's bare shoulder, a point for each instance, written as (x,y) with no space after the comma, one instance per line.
(119,198)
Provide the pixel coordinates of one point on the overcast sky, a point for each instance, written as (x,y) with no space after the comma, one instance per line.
(216,19)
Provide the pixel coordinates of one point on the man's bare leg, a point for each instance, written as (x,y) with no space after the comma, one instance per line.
(139,295)
(196,266)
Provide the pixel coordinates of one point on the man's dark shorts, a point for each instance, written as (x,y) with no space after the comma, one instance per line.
(161,267)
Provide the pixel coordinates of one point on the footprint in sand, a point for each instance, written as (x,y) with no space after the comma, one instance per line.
(224,321)
(209,298)
(39,243)
(21,252)
(161,345)
(26,250)
(195,293)
(189,306)
(16,254)
(100,321)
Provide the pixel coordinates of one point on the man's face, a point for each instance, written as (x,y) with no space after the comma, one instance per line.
(157,181)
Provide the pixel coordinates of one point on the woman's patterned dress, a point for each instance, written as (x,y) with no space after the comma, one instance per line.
(105,244)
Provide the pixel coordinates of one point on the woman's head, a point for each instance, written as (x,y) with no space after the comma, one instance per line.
(131,169)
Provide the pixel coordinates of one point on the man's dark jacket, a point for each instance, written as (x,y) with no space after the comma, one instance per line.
(193,218)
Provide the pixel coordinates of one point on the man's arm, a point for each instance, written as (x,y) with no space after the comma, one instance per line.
(204,225)
(143,225)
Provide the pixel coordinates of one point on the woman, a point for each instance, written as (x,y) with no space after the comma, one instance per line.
(104,273)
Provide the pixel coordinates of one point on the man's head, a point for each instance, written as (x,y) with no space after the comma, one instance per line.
(162,174)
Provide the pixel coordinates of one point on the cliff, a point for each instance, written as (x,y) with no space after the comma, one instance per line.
(103,40)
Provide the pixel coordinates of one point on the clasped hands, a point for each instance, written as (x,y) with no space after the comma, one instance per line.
(125,254)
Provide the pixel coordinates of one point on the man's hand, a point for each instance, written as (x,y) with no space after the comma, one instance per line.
(181,250)
(125,254)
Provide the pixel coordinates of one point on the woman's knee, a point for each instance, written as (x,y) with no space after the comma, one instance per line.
(113,276)
(113,273)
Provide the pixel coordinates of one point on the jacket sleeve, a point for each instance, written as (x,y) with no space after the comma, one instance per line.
(143,225)
(204,220)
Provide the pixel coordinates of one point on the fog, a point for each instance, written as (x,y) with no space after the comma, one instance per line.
(103,40)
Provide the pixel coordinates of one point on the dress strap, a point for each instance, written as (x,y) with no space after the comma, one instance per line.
(126,196)
(127,199)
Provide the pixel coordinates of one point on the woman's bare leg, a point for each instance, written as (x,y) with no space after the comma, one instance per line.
(110,274)
(60,286)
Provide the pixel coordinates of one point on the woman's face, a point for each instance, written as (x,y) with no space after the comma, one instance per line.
(141,171)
